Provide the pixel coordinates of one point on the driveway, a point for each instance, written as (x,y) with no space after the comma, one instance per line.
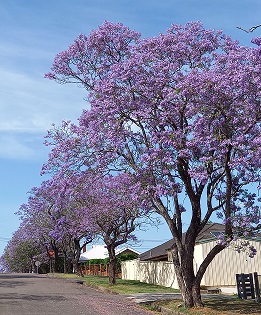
(32,294)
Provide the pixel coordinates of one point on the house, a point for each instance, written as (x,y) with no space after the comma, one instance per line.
(88,257)
(95,252)
(101,252)
(155,265)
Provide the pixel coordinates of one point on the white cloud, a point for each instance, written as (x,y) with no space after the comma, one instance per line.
(12,147)
(32,103)
(29,106)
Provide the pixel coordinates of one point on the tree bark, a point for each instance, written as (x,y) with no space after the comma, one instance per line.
(56,259)
(112,264)
(65,269)
(75,261)
(188,281)
(189,287)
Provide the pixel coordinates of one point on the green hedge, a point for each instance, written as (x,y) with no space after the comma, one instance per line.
(105,261)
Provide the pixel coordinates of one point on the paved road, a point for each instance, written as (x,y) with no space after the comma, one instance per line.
(32,294)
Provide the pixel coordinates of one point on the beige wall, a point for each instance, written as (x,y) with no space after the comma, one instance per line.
(160,272)
(221,272)
(130,269)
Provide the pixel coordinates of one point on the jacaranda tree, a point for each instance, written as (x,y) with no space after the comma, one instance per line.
(108,203)
(60,219)
(179,112)
(19,253)
(114,208)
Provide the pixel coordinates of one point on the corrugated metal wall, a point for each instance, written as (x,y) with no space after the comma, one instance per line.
(225,266)
(130,269)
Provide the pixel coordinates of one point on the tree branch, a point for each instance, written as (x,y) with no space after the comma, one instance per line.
(250,30)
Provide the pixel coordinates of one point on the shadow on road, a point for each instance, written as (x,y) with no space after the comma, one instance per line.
(20,275)
(13,279)
(32,297)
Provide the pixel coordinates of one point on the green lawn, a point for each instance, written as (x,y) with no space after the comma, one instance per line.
(127,286)
(121,286)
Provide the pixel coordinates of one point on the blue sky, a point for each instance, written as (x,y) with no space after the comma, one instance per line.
(32,33)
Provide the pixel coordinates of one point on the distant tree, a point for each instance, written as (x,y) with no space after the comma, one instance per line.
(115,210)
(19,253)
(181,113)
(109,204)
(56,216)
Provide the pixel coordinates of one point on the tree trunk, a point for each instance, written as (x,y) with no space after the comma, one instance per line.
(190,290)
(65,269)
(75,261)
(112,264)
(56,259)
(189,285)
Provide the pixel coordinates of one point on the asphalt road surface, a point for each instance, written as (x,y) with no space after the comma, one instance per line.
(32,294)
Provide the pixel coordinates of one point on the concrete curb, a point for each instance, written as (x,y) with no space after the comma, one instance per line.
(164,310)
(100,288)
(155,306)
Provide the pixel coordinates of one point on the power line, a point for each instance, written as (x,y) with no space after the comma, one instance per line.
(163,240)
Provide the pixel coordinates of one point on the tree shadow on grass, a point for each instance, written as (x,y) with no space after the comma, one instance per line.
(234,305)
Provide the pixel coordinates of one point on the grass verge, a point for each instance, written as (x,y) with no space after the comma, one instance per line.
(214,306)
(121,286)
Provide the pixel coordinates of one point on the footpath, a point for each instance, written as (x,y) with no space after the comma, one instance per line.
(147,298)
(140,298)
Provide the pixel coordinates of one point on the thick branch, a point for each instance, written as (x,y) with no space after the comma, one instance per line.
(211,255)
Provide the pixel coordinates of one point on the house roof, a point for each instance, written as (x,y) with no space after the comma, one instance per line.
(210,232)
(157,253)
(96,252)
(101,252)
(126,249)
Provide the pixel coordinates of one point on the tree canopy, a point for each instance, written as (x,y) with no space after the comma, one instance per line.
(179,115)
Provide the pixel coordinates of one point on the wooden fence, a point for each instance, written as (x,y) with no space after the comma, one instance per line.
(248,286)
(97,270)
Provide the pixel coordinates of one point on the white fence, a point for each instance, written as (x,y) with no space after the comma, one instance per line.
(160,273)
